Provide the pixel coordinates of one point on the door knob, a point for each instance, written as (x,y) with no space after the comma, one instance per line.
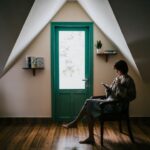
(85,79)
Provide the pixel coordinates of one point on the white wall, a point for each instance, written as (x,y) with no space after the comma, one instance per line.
(23,95)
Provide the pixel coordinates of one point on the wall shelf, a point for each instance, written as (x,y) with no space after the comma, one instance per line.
(33,70)
(33,63)
(106,54)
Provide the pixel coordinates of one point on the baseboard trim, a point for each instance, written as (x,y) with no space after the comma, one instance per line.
(49,120)
(140,118)
(25,120)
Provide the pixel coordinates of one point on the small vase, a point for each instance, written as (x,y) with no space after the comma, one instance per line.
(98,51)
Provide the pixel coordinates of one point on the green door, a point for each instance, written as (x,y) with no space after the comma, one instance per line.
(72,67)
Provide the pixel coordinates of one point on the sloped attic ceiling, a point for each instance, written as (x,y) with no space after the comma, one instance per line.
(134,19)
(42,12)
(13,14)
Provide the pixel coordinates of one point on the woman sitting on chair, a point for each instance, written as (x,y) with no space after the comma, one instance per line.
(122,88)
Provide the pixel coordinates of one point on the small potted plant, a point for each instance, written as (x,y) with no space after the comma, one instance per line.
(98,46)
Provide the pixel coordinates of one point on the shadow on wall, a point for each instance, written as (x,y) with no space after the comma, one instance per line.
(141,53)
(13,14)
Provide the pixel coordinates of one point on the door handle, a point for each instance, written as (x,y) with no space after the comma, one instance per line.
(86,82)
(85,79)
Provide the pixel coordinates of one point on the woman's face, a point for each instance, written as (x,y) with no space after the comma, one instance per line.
(118,72)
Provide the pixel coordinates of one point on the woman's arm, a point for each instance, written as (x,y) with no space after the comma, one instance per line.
(122,88)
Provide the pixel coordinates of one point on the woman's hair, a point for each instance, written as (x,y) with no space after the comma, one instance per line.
(122,66)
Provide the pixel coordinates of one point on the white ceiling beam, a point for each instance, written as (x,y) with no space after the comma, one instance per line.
(102,14)
(40,15)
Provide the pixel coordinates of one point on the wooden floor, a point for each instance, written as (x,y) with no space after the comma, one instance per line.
(51,136)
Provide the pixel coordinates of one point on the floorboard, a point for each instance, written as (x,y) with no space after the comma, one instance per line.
(52,136)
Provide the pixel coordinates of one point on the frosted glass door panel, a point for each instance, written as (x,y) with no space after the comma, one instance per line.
(71,59)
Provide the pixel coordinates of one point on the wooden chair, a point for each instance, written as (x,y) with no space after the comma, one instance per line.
(119,111)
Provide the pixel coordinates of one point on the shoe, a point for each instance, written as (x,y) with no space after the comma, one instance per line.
(88,141)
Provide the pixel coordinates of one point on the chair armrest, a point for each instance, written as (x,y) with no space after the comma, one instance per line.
(109,103)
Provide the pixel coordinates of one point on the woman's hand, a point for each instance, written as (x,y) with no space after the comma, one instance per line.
(105,85)
(117,80)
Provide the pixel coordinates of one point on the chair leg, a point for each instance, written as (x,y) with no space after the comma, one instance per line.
(129,130)
(102,132)
(120,126)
